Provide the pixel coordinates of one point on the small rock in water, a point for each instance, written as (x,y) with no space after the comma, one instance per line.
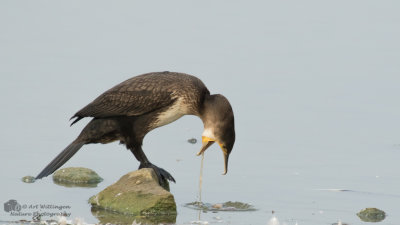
(238,205)
(28,179)
(76,175)
(192,140)
(371,215)
(227,206)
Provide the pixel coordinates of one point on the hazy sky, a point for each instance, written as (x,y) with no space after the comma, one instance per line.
(309,79)
(289,55)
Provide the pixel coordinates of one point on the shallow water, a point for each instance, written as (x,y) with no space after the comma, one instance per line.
(314,87)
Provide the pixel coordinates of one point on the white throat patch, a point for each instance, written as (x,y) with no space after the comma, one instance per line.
(208,132)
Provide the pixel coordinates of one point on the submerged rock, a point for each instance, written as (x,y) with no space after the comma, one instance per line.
(28,179)
(192,140)
(136,193)
(226,206)
(371,215)
(76,176)
(237,205)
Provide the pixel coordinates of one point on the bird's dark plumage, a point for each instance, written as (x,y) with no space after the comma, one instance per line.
(143,94)
(61,158)
(129,110)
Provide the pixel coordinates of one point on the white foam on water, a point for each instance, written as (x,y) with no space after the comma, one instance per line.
(273,221)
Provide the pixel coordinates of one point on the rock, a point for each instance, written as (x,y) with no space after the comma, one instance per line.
(136,193)
(28,179)
(76,176)
(238,206)
(227,206)
(192,140)
(371,215)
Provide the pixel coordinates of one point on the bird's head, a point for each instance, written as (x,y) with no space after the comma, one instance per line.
(219,126)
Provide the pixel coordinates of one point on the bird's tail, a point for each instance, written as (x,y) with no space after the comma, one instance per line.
(62,158)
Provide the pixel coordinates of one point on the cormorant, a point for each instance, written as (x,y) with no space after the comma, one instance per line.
(129,110)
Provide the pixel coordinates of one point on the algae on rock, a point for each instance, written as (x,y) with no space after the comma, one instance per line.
(76,176)
(371,215)
(226,206)
(136,193)
(28,179)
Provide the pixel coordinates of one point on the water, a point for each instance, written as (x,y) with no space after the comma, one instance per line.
(201,181)
(314,87)
(273,221)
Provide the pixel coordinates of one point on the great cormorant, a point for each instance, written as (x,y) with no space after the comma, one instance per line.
(129,110)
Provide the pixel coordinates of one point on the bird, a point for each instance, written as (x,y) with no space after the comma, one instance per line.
(133,108)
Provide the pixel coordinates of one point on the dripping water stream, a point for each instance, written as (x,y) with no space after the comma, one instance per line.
(200,183)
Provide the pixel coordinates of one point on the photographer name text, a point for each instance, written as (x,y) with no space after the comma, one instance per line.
(46,206)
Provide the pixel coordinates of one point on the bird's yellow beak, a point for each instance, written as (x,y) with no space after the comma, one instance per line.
(207,142)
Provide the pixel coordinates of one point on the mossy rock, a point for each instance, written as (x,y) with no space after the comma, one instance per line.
(239,206)
(136,193)
(28,179)
(76,176)
(371,215)
(227,206)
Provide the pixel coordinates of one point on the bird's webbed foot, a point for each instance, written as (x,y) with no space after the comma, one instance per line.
(163,175)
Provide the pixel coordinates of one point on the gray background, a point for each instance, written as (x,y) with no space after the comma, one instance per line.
(314,86)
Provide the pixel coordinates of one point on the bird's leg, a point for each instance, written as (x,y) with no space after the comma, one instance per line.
(162,174)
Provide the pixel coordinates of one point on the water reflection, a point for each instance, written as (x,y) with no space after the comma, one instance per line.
(105,217)
(72,185)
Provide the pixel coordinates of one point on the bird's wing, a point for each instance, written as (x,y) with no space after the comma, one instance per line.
(133,97)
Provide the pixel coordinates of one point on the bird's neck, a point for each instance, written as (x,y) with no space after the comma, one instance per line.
(208,117)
